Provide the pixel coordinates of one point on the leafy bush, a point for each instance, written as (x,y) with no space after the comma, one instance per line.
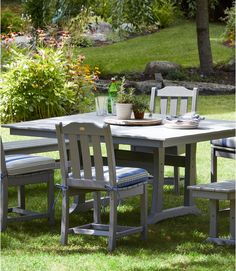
(189,6)
(40,12)
(164,12)
(135,12)
(78,26)
(229,32)
(43,84)
(10,21)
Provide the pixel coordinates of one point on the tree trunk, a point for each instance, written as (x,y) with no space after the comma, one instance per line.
(203,38)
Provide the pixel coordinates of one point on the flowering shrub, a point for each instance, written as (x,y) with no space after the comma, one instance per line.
(229,32)
(45,83)
(80,79)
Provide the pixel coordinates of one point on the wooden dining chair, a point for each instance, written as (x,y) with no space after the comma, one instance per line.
(89,174)
(18,170)
(173,101)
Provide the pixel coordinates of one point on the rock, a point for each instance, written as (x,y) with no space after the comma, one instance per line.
(144,87)
(203,87)
(163,67)
(100,27)
(158,77)
(230,66)
(127,27)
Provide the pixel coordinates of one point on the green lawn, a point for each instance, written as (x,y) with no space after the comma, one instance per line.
(177,43)
(174,244)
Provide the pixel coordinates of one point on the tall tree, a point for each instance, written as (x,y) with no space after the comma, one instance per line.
(203,37)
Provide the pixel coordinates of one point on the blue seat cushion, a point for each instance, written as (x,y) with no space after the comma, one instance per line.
(23,163)
(229,142)
(125,176)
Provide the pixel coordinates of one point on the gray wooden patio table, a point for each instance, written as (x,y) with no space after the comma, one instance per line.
(157,137)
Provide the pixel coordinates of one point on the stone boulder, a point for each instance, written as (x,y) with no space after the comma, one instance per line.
(163,67)
(230,66)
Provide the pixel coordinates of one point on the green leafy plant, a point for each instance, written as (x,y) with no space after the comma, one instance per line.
(33,87)
(40,12)
(10,21)
(189,7)
(45,83)
(164,12)
(229,32)
(124,95)
(135,12)
(139,104)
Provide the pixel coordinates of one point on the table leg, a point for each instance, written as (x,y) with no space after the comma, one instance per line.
(190,173)
(158,180)
(232,219)
(157,212)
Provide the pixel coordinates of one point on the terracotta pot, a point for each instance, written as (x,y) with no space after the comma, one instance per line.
(139,115)
(123,111)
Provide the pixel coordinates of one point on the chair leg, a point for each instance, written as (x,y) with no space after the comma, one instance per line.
(51,207)
(97,207)
(176,180)
(113,221)
(4,204)
(21,196)
(144,212)
(213,165)
(214,206)
(232,219)
(65,218)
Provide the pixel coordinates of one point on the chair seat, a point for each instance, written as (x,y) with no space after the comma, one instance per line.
(125,176)
(229,142)
(22,163)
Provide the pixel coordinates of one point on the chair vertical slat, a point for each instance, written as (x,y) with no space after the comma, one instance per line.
(74,155)
(63,153)
(98,164)
(194,100)
(163,105)
(86,157)
(97,153)
(183,105)
(173,106)
(152,104)
(110,156)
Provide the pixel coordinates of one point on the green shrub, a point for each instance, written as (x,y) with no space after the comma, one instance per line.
(189,6)
(10,21)
(33,87)
(135,12)
(229,32)
(43,84)
(164,12)
(78,26)
(40,12)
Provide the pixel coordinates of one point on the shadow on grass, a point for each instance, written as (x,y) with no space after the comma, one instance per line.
(177,236)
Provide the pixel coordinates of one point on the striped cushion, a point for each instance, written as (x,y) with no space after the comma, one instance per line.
(23,163)
(126,176)
(229,142)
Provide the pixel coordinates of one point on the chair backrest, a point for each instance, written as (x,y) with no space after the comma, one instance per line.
(86,158)
(174,100)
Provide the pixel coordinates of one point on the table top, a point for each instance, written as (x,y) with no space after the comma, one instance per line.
(149,136)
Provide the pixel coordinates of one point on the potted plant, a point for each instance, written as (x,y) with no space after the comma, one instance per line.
(139,107)
(124,101)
